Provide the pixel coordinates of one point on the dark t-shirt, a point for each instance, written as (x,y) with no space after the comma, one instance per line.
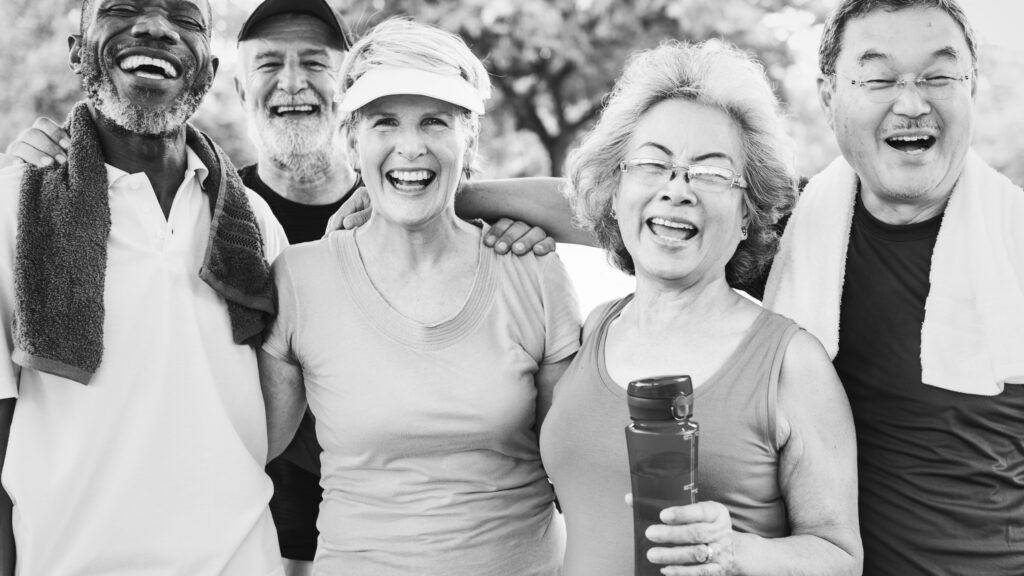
(297,492)
(941,473)
(301,222)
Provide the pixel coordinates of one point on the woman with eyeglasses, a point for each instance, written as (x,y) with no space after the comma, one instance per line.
(681,181)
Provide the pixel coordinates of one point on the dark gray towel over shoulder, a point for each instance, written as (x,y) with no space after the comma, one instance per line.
(61,254)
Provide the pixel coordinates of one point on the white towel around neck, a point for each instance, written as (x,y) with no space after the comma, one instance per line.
(972,340)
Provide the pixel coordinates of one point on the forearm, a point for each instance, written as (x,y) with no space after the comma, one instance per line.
(7,551)
(537,201)
(304,449)
(284,398)
(283,417)
(798,555)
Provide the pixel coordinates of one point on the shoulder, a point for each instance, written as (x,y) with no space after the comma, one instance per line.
(308,257)
(259,205)
(248,175)
(807,377)
(10,191)
(10,178)
(274,238)
(602,313)
(548,267)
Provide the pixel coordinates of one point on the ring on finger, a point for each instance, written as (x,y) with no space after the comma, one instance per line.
(709,554)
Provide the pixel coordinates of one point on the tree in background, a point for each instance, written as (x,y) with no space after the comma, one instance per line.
(552,63)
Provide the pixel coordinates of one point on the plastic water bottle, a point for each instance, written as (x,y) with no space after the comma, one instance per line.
(662,446)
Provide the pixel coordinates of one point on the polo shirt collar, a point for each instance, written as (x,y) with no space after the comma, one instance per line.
(194,168)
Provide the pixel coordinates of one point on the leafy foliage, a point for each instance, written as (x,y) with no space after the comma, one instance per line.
(552,63)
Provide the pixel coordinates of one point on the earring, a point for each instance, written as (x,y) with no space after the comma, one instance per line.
(743,232)
(614,213)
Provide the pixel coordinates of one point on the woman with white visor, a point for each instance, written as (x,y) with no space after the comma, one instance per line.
(427,359)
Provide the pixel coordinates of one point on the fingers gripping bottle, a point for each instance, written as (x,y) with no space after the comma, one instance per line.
(662,446)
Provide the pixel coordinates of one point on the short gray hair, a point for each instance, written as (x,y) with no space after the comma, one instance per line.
(832,36)
(712,74)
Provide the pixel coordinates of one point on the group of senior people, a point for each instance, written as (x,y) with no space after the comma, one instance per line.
(424,354)
(456,395)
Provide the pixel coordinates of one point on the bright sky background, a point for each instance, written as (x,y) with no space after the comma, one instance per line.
(997,22)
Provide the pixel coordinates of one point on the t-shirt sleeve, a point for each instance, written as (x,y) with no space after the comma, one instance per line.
(279,337)
(10,184)
(561,311)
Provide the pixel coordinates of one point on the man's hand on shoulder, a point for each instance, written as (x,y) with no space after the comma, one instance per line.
(519,238)
(353,212)
(41,145)
(505,235)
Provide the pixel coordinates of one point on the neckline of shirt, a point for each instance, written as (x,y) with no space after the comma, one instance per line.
(729,364)
(926,229)
(379,313)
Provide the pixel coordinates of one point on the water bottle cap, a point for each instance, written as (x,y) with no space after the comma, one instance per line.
(660,398)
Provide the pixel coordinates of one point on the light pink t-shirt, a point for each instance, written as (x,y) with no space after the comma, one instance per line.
(431,463)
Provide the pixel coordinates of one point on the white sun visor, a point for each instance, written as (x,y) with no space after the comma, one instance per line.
(381,82)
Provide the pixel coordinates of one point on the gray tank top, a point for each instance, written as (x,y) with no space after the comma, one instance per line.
(584,449)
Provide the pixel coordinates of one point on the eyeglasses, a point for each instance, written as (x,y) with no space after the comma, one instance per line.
(884,90)
(653,173)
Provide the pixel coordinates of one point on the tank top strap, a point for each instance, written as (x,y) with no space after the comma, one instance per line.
(748,381)
(789,329)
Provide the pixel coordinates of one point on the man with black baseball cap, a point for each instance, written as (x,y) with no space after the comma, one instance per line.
(318,9)
(289,55)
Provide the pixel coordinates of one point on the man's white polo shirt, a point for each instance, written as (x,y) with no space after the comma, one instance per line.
(156,466)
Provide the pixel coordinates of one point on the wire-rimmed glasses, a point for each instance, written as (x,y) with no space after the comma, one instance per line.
(652,173)
(938,86)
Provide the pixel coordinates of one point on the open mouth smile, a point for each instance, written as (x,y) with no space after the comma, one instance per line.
(148,67)
(410,180)
(673,231)
(911,144)
(293,110)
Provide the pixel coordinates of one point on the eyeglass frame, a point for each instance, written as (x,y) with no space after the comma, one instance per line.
(735,180)
(900,84)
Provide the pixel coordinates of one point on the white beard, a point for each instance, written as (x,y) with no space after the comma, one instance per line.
(305,147)
(136,119)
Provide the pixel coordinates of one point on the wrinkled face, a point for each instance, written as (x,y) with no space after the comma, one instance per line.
(411,151)
(287,83)
(146,64)
(674,233)
(909,151)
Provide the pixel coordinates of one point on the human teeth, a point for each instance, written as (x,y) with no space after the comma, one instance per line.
(133,63)
(294,108)
(671,224)
(909,138)
(410,175)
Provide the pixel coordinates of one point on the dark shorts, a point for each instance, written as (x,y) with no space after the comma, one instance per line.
(297,495)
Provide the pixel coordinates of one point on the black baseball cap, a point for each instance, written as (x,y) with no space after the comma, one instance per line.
(319,9)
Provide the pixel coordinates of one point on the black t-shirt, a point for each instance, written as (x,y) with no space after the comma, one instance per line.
(941,473)
(301,222)
(297,493)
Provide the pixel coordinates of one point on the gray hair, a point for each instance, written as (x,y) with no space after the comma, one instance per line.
(832,36)
(403,43)
(712,74)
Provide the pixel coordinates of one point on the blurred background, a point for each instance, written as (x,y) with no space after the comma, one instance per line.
(552,62)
